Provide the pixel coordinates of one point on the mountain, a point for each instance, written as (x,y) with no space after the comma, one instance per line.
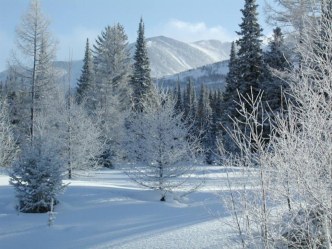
(167,57)
(212,75)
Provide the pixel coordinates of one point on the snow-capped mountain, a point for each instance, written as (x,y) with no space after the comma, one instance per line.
(212,75)
(167,57)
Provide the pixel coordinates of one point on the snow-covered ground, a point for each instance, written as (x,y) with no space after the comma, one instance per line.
(104,209)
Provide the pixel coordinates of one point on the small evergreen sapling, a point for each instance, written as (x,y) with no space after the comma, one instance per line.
(37,179)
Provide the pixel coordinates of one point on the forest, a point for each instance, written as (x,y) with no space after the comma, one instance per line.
(270,126)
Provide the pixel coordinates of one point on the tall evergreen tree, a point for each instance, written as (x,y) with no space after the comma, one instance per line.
(85,84)
(250,55)
(232,85)
(248,72)
(141,80)
(203,121)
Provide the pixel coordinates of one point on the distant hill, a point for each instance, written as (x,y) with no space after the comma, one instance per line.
(212,75)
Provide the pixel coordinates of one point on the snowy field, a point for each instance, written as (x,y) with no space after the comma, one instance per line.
(106,210)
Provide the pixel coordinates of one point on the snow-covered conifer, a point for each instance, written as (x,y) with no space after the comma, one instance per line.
(37,178)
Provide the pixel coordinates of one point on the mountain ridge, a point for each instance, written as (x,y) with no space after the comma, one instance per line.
(167,56)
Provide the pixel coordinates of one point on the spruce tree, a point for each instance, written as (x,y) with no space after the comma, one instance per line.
(250,55)
(203,121)
(232,85)
(276,58)
(141,81)
(247,72)
(85,84)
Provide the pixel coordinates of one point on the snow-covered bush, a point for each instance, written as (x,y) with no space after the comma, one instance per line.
(305,228)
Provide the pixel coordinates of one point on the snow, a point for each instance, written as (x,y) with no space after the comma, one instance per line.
(104,209)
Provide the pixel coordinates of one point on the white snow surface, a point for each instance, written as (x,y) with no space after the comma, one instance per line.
(104,209)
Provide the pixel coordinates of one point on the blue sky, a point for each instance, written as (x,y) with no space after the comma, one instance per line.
(72,21)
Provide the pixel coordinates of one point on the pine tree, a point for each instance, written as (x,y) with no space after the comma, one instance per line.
(278,61)
(203,121)
(141,81)
(232,85)
(85,84)
(250,72)
(250,56)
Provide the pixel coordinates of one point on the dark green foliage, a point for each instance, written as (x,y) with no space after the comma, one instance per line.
(189,102)
(277,61)
(85,83)
(141,80)
(247,71)
(178,99)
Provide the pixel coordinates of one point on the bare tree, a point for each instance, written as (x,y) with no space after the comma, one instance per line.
(33,60)
(292,175)
(160,146)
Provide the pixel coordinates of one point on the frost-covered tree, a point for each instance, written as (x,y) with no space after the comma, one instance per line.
(112,65)
(37,178)
(160,146)
(291,13)
(291,206)
(79,134)
(33,60)
(141,81)
(8,147)
(86,84)
(38,172)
